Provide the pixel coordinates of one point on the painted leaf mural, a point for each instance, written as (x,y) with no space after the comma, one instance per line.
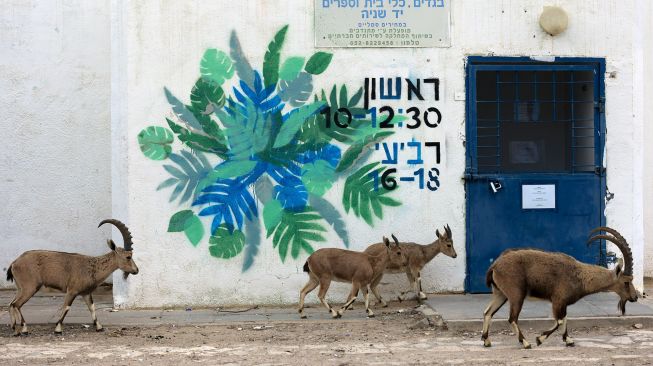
(258,154)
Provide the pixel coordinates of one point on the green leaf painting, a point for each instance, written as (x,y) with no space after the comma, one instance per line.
(206,96)
(318,63)
(254,154)
(225,243)
(361,196)
(190,224)
(295,120)
(272,57)
(216,66)
(291,68)
(294,231)
(318,177)
(155,142)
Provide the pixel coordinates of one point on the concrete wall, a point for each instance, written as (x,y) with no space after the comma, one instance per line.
(55,162)
(160,44)
(646,111)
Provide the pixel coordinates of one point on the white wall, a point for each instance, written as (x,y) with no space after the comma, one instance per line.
(55,164)
(161,44)
(646,111)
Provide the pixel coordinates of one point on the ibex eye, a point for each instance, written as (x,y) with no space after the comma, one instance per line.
(129,257)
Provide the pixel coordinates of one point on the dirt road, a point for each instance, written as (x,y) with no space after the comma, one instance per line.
(395,337)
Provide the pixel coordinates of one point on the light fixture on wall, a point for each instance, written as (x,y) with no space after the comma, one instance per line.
(554,20)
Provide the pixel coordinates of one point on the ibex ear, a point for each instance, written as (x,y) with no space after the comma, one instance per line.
(437,233)
(386,242)
(620,267)
(111,244)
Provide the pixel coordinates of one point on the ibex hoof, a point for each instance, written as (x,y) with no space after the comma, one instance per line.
(526,345)
(385,304)
(303,316)
(487,343)
(99,330)
(569,343)
(538,341)
(58,333)
(370,315)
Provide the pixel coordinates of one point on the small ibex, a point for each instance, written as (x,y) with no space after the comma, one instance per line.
(72,273)
(558,278)
(357,268)
(418,256)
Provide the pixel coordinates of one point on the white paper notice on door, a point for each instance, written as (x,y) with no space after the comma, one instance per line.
(538,196)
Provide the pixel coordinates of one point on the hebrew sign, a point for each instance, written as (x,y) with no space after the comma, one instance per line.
(382,23)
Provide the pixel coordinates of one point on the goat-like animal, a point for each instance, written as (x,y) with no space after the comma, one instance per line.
(558,278)
(357,268)
(418,256)
(72,273)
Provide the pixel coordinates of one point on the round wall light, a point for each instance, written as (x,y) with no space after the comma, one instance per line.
(554,20)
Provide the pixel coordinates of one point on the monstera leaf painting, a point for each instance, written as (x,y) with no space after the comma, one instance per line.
(258,154)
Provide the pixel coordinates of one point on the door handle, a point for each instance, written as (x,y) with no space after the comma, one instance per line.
(495,186)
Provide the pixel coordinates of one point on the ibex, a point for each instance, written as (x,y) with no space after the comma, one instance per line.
(72,273)
(558,278)
(418,256)
(357,268)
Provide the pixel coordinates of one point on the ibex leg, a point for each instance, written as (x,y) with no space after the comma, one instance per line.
(565,335)
(68,300)
(375,290)
(352,297)
(515,309)
(91,307)
(324,287)
(497,301)
(22,295)
(547,333)
(413,285)
(310,286)
(420,294)
(366,295)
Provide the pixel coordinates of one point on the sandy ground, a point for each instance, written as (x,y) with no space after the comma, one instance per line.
(397,335)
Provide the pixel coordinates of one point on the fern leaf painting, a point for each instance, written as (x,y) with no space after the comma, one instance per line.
(256,153)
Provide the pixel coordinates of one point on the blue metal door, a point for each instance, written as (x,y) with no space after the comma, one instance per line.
(534,174)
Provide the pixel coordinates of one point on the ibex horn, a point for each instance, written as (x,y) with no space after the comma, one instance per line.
(126,235)
(395,238)
(620,242)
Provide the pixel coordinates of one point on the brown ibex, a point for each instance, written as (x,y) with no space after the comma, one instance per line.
(418,256)
(558,278)
(72,273)
(357,268)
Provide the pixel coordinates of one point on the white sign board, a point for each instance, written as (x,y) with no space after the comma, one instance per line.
(382,23)
(538,196)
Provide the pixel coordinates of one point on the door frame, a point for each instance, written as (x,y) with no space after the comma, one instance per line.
(470,133)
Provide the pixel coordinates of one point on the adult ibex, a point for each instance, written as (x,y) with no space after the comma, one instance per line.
(359,269)
(418,256)
(558,278)
(72,273)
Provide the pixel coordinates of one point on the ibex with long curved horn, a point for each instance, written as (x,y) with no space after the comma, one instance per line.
(558,278)
(72,273)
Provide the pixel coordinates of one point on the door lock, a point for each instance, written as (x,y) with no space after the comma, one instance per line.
(495,186)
